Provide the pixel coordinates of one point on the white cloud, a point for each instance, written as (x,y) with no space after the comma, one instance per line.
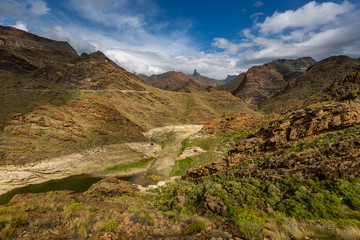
(317,30)
(21,25)
(310,16)
(256,16)
(11,8)
(216,65)
(129,32)
(39,7)
(230,47)
(117,13)
(60,34)
(258,3)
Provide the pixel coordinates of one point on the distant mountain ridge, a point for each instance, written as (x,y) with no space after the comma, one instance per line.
(177,82)
(54,102)
(229,78)
(282,83)
(206,80)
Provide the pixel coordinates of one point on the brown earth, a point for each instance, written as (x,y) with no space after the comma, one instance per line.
(178,82)
(82,102)
(315,80)
(320,140)
(67,215)
(233,85)
(260,83)
(231,124)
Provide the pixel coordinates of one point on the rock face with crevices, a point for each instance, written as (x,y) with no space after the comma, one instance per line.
(260,83)
(320,140)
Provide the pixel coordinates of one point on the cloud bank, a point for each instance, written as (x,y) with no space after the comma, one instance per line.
(133,34)
(316,29)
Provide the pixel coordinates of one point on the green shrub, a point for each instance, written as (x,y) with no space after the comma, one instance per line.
(74,205)
(195,228)
(110,226)
(147,219)
(2,224)
(250,225)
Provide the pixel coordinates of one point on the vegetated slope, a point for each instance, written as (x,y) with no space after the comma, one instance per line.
(21,55)
(175,81)
(289,68)
(297,177)
(206,80)
(289,178)
(195,86)
(233,85)
(316,79)
(319,139)
(229,78)
(260,83)
(36,50)
(88,101)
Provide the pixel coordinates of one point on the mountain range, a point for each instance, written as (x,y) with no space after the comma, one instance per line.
(273,153)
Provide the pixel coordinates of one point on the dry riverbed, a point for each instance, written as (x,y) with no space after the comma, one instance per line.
(162,149)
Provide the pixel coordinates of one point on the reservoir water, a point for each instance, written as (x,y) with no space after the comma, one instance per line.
(78,183)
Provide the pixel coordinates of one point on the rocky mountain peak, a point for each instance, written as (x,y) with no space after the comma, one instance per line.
(11,37)
(195,73)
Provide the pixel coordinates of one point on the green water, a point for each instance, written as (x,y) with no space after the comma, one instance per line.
(78,183)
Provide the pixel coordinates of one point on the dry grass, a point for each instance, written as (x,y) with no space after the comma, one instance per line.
(294,229)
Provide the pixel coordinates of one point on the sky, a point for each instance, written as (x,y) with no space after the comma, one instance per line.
(217,38)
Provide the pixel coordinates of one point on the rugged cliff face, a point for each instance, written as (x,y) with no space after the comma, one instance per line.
(316,79)
(295,175)
(63,103)
(177,82)
(319,140)
(260,83)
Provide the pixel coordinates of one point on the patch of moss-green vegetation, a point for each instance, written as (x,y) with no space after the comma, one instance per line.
(181,166)
(195,228)
(164,139)
(184,144)
(343,135)
(129,166)
(252,203)
(110,226)
(215,146)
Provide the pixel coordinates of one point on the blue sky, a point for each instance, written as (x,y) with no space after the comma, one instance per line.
(215,37)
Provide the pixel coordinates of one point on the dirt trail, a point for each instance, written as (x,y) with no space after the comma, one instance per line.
(94,161)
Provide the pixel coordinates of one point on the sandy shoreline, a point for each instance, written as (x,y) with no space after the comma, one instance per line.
(94,161)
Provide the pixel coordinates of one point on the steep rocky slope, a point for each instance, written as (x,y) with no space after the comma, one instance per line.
(316,79)
(86,101)
(233,85)
(175,81)
(295,175)
(36,50)
(289,68)
(319,139)
(206,80)
(260,83)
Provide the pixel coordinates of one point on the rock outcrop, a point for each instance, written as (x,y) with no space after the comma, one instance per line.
(320,140)
(260,83)
(230,124)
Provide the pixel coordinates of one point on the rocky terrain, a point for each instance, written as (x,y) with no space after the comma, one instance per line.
(236,173)
(316,79)
(178,82)
(233,85)
(319,140)
(206,80)
(86,101)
